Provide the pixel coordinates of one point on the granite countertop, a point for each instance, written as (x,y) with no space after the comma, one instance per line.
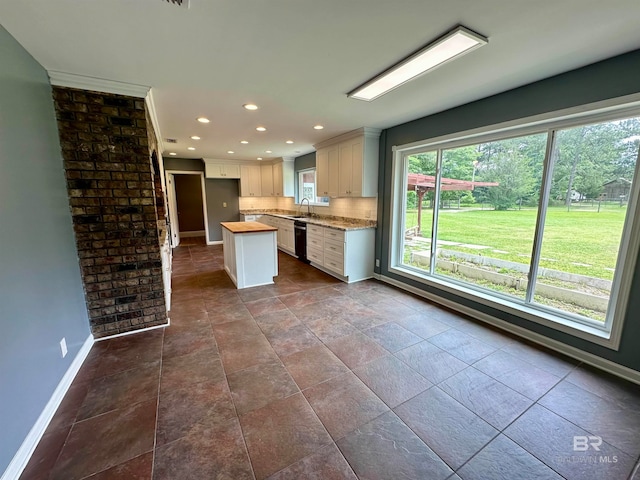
(339,223)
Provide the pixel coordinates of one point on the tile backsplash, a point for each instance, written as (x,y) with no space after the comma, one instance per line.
(362,208)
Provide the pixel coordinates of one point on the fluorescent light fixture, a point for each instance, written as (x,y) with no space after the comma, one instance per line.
(318,127)
(203,119)
(261,129)
(250,106)
(191,148)
(195,137)
(457,42)
(244,142)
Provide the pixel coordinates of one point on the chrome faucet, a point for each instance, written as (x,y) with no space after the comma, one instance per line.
(308,206)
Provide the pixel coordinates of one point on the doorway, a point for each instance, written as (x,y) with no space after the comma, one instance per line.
(187,205)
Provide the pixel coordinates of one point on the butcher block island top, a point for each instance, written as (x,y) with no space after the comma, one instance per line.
(247,227)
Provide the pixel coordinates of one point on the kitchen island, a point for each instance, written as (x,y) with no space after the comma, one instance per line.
(250,253)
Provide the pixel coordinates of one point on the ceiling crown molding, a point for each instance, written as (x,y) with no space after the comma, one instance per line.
(71,80)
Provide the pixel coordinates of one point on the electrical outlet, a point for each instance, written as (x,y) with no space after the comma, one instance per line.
(224,204)
(63,347)
(377,262)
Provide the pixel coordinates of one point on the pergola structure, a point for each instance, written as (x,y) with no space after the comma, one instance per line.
(421,184)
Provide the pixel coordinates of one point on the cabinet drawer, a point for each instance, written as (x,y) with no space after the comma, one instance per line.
(315,255)
(315,230)
(332,234)
(334,263)
(314,241)
(333,247)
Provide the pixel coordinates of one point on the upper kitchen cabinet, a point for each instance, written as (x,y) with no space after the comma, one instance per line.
(347,166)
(278,178)
(267,180)
(250,181)
(327,171)
(219,169)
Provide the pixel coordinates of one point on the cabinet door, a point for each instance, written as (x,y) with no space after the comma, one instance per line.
(345,163)
(213,170)
(334,171)
(277,180)
(351,168)
(267,180)
(231,171)
(357,159)
(322,172)
(250,181)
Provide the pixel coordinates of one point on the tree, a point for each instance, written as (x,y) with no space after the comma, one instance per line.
(512,171)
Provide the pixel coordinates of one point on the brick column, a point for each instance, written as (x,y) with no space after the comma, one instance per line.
(112,198)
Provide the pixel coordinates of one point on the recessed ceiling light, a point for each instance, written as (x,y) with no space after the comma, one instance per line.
(289,142)
(259,158)
(230,151)
(250,106)
(203,119)
(261,129)
(244,142)
(318,127)
(195,137)
(191,148)
(173,154)
(267,151)
(457,42)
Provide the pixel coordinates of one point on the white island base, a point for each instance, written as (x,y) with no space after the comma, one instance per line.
(250,253)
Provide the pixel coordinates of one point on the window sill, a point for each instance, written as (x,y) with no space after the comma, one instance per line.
(592,333)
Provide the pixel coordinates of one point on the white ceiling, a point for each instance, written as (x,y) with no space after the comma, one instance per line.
(297,59)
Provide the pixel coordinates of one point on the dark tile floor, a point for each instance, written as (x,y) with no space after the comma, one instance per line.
(311,378)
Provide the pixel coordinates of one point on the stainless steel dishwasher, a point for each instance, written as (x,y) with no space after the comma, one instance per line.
(300,229)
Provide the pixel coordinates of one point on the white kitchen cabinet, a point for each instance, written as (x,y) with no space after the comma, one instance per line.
(250,181)
(278,179)
(283,178)
(266,172)
(351,168)
(327,171)
(286,236)
(221,170)
(347,166)
(347,255)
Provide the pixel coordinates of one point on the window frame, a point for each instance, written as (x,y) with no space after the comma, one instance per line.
(299,187)
(607,334)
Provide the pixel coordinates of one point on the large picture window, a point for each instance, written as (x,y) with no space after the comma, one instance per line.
(535,219)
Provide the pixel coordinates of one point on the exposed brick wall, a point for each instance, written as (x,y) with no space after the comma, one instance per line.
(111,194)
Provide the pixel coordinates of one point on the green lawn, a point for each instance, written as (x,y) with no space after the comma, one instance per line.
(576,237)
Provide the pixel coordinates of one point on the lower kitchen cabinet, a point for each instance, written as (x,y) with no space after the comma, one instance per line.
(345,254)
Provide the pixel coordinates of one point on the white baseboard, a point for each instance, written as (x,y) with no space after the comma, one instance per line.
(214,242)
(22,456)
(573,352)
(133,332)
(193,233)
